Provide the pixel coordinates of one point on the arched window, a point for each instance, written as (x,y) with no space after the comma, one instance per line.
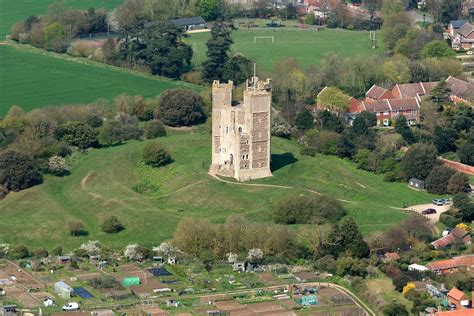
(240,129)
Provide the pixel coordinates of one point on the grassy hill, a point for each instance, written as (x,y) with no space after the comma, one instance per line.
(12,11)
(151,201)
(32,78)
(307,46)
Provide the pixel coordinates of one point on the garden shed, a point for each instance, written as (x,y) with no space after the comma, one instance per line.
(417,184)
(63,290)
(131,281)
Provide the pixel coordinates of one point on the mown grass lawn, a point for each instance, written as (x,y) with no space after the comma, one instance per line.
(32,79)
(308,47)
(12,11)
(107,181)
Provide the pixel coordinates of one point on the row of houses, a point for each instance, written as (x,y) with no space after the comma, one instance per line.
(405,99)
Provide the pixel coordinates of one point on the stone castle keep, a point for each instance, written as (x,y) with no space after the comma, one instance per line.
(241,131)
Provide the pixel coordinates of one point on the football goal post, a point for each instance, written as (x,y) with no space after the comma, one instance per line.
(255,38)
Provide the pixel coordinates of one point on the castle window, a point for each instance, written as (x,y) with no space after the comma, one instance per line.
(243,156)
(240,129)
(227,130)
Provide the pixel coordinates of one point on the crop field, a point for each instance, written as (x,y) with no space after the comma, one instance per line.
(31,79)
(150,202)
(12,11)
(307,46)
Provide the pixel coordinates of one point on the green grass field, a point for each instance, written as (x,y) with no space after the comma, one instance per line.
(106,181)
(12,11)
(307,46)
(31,79)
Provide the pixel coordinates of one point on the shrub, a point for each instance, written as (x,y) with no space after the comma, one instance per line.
(77,134)
(179,107)
(437,180)
(315,209)
(104,282)
(308,151)
(155,155)
(17,171)
(449,220)
(111,225)
(457,183)
(19,252)
(75,228)
(154,129)
(41,253)
(419,160)
(58,166)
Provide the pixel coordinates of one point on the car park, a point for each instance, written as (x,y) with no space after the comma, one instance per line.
(428,211)
(438,202)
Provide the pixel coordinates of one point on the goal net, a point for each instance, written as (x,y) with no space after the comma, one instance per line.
(265,38)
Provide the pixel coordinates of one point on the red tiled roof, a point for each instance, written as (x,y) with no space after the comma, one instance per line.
(376,106)
(462,261)
(355,106)
(375,92)
(390,256)
(412,90)
(404,104)
(460,87)
(456,294)
(444,241)
(458,232)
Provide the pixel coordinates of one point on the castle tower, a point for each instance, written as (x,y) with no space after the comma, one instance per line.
(241,131)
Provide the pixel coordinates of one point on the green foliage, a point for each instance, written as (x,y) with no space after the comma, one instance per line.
(304,120)
(310,19)
(314,209)
(115,132)
(395,309)
(17,171)
(419,160)
(345,238)
(105,282)
(440,94)
(155,155)
(75,228)
(397,69)
(77,134)
(449,10)
(159,47)
(449,220)
(154,129)
(333,99)
(218,48)
(351,266)
(363,122)
(209,9)
(457,183)
(437,49)
(41,253)
(178,107)
(55,37)
(444,139)
(238,69)
(438,178)
(18,252)
(402,128)
(330,121)
(111,225)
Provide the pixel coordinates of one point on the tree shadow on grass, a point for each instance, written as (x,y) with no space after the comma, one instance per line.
(281,160)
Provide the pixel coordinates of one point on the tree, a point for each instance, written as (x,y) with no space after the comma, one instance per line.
(58,251)
(310,19)
(154,129)
(444,139)
(304,120)
(209,9)
(155,155)
(109,50)
(179,107)
(329,121)
(419,160)
(17,171)
(402,128)
(438,178)
(218,48)
(346,237)
(314,209)
(237,68)
(440,95)
(111,225)
(91,248)
(77,134)
(363,122)
(395,309)
(466,153)
(134,252)
(448,10)
(19,252)
(333,99)
(351,266)
(58,165)
(41,253)
(437,49)
(397,69)
(75,228)
(55,37)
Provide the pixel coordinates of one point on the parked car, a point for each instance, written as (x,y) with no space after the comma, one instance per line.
(428,211)
(71,307)
(438,202)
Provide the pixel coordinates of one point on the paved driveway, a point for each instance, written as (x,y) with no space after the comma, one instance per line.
(433,217)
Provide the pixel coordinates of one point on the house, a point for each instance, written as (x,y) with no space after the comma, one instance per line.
(457,235)
(378,93)
(451,265)
(456,296)
(463,312)
(389,109)
(417,267)
(417,184)
(413,90)
(461,91)
(461,34)
(191,23)
(390,256)
(63,290)
(239,266)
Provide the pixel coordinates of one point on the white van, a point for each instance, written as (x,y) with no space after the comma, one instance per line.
(71,306)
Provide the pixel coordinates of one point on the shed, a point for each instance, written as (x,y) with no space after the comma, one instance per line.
(194,22)
(63,290)
(64,259)
(308,300)
(417,267)
(47,302)
(417,184)
(131,281)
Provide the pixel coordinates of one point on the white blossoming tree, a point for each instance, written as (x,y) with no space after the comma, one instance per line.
(132,252)
(168,250)
(92,247)
(58,165)
(255,254)
(232,257)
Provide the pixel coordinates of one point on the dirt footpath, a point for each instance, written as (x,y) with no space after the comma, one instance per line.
(432,217)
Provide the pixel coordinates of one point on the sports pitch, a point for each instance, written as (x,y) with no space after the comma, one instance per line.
(307,46)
